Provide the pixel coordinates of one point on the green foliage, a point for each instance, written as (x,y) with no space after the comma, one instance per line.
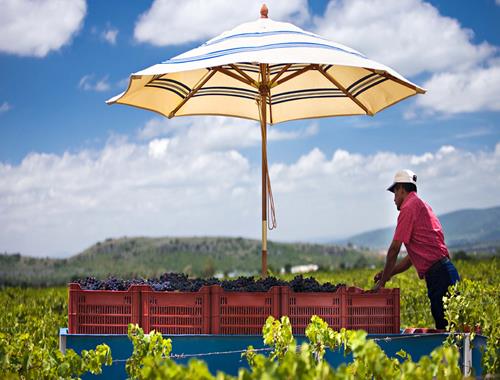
(278,334)
(29,349)
(474,306)
(30,319)
(151,359)
(369,360)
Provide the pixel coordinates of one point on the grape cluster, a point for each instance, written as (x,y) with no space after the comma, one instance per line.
(111,283)
(169,282)
(249,284)
(309,284)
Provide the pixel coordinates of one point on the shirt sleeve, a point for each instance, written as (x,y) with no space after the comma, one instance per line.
(404,227)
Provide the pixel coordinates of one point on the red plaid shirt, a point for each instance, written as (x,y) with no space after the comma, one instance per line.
(420,231)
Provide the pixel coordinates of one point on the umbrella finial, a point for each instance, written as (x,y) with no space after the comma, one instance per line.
(263,11)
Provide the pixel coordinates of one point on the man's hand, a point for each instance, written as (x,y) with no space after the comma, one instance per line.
(378,285)
(378,276)
(390,262)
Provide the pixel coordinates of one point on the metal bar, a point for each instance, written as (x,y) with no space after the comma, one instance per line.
(297,73)
(281,72)
(467,356)
(344,90)
(200,84)
(241,72)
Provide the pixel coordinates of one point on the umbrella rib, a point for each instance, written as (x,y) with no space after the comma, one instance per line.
(233,75)
(200,84)
(245,75)
(291,76)
(397,80)
(344,90)
(281,72)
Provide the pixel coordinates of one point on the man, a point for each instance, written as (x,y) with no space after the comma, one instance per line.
(420,231)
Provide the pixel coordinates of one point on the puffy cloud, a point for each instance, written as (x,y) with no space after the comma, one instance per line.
(158,147)
(473,90)
(409,35)
(110,34)
(4,107)
(215,133)
(345,194)
(67,202)
(170,22)
(35,28)
(89,83)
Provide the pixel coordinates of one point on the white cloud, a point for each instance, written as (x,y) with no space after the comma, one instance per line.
(497,2)
(472,90)
(215,133)
(35,28)
(5,107)
(170,22)
(110,34)
(476,132)
(345,193)
(158,147)
(409,35)
(89,83)
(68,202)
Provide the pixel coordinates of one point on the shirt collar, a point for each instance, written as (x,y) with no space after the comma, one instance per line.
(408,198)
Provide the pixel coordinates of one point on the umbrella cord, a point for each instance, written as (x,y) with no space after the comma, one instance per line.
(271,211)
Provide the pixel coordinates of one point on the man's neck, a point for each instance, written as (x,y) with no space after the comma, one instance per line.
(405,196)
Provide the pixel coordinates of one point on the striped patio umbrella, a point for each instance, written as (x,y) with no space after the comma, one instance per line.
(271,72)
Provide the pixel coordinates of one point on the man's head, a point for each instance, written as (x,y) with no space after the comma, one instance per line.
(405,182)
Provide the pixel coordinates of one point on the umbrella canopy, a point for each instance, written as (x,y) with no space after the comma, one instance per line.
(271,72)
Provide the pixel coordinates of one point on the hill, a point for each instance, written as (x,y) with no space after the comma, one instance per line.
(470,229)
(197,256)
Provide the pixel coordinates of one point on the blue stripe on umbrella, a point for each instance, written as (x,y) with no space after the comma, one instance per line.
(263,34)
(282,45)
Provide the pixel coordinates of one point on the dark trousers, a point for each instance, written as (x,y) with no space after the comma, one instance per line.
(438,278)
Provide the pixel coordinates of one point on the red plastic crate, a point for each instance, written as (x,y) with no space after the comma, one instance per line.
(176,312)
(102,311)
(242,312)
(300,307)
(377,313)
(212,310)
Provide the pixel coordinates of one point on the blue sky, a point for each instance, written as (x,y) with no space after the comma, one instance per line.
(74,170)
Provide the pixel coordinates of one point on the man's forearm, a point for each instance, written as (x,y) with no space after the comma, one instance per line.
(390,263)
(402,266)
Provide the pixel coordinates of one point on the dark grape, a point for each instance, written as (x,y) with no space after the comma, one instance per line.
(169,282)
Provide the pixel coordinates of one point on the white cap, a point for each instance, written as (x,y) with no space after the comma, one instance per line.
(403,176)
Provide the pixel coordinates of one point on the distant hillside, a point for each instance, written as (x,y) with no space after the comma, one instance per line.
(472,229)
(146,257)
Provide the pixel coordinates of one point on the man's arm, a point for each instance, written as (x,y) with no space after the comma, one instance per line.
(403,265)
(390,264)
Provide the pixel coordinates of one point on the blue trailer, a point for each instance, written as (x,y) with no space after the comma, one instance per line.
(223,352)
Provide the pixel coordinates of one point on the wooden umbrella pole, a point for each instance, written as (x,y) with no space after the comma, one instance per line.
(264,91)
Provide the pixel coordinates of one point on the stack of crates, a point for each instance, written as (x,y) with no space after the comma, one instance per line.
(212,310)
